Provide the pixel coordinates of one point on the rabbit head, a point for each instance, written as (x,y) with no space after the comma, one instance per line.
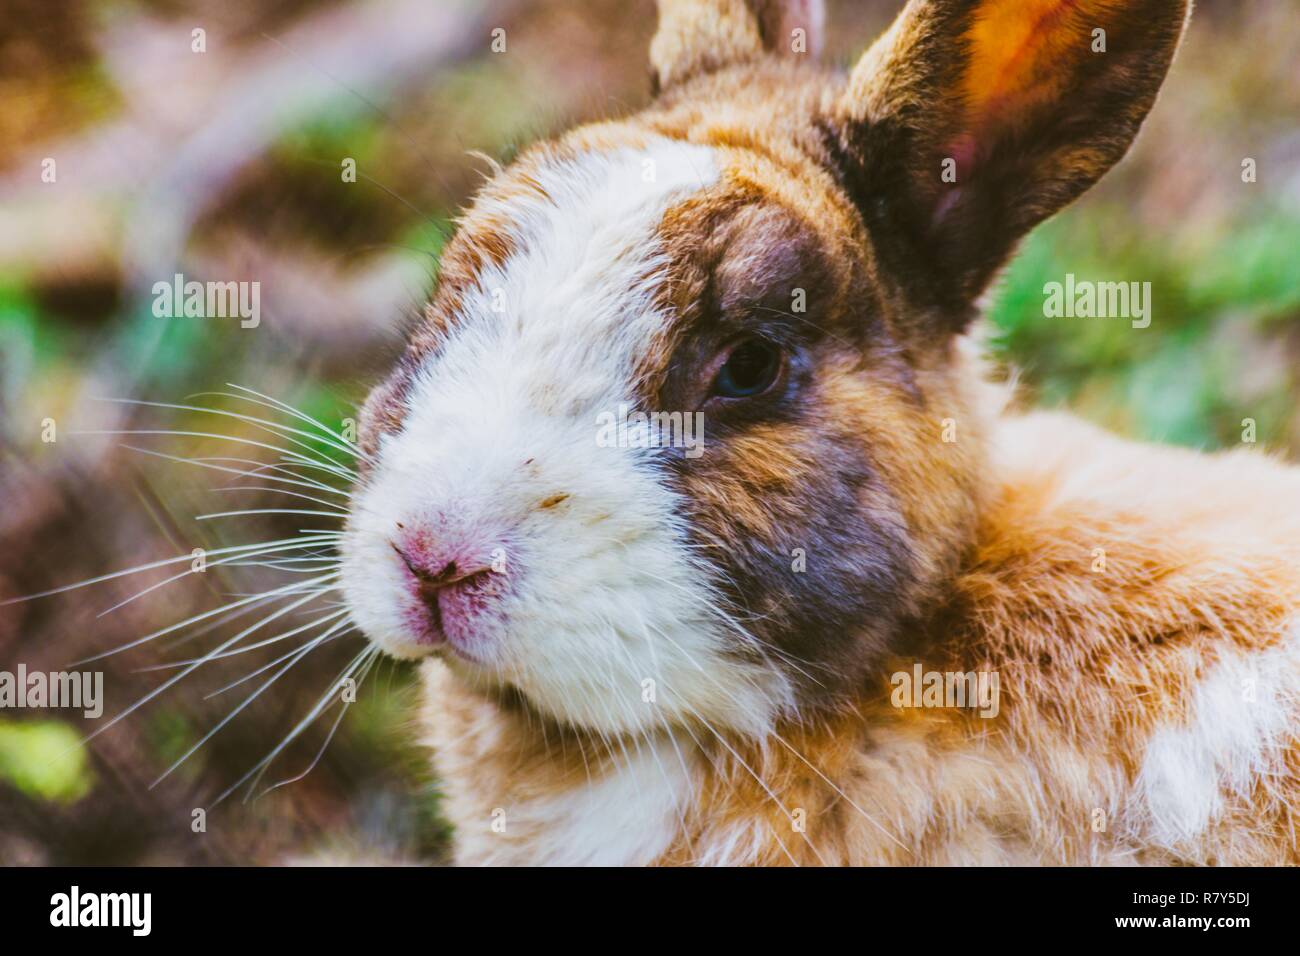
(687,432)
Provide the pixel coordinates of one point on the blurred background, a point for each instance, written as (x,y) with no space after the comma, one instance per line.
(226,164)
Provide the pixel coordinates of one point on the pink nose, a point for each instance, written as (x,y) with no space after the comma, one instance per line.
(454,585)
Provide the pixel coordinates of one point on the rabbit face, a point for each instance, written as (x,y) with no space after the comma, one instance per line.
(589,592)
(753,553)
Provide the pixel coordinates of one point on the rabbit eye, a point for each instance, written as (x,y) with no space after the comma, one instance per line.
(753,366)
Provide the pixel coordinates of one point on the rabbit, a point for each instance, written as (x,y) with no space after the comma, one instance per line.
(869,615)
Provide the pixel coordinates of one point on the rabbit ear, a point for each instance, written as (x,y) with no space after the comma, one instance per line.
(970,121)
(700,36)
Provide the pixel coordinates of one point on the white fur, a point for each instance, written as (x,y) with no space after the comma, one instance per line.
(606,594)
(1190,772)
(629,817)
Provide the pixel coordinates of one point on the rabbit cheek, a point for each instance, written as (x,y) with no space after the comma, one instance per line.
(813,545)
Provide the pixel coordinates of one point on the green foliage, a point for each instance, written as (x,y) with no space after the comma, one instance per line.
(170,733)
(45,760)
(1218,303)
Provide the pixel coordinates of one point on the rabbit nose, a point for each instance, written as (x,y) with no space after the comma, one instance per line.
(458,582)
(429,584)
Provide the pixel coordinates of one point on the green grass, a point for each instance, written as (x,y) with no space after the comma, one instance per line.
(1192,376)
